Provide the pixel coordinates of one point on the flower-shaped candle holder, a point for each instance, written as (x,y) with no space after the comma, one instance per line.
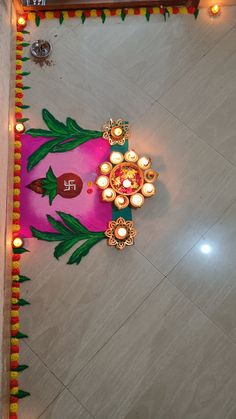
(116,132)
(120,233)
(127,179)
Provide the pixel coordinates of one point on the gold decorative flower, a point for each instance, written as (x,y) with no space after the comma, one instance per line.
(126,179)
(116,132)
(120,233)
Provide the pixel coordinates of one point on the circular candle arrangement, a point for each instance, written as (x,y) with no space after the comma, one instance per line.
(127,179)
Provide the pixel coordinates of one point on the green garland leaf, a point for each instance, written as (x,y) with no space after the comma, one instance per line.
(61,18)
(19,250)
(20,335)
(23,106)
(23,278)
(25,73)
(37,20)
(123,15)
(21,394)
(23,302)
(21,368)
(103,16)
(196,13)
(83,18)
(22,119)
(147,15)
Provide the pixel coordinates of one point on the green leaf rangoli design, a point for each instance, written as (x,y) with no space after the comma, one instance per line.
(63,137)
(69,232)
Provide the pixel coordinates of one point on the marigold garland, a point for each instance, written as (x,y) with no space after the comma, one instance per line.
(62,15)
(16,302)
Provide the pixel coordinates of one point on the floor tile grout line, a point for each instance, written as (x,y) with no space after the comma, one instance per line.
(197,62)
(64,387)
(189,250)
(149,261)
(117,330)
(51,402)
(201,237)
(228,337)
(76,398)
(156,99)
(196,135)
(46,366)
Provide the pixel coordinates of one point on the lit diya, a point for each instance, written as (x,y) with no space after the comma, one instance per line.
(127,179)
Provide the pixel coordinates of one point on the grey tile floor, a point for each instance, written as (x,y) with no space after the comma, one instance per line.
(151,335)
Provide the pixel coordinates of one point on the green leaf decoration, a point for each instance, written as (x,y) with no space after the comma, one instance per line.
(25,58)
(24,31)
(41,152)
(23,302)
(53,124)
(49,185)
(38,132)
(20,335)
(21,394)
(83,250)
(65,246)
(61,19)
(58,226)
(71,145)
(21,368)
(45,235)
(64,137)
(23,278)
(73,223)
(83,17)
(19,250)
(196,13)
(25,44)
(23,106)
(22,119)
(147,15)
(103,16)
(69,234)
(25,73)
(72,125)
(26,87)
(37,20)
(123,15)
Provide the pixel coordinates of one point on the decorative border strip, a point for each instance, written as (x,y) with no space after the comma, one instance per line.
(16,302)
(104,13)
